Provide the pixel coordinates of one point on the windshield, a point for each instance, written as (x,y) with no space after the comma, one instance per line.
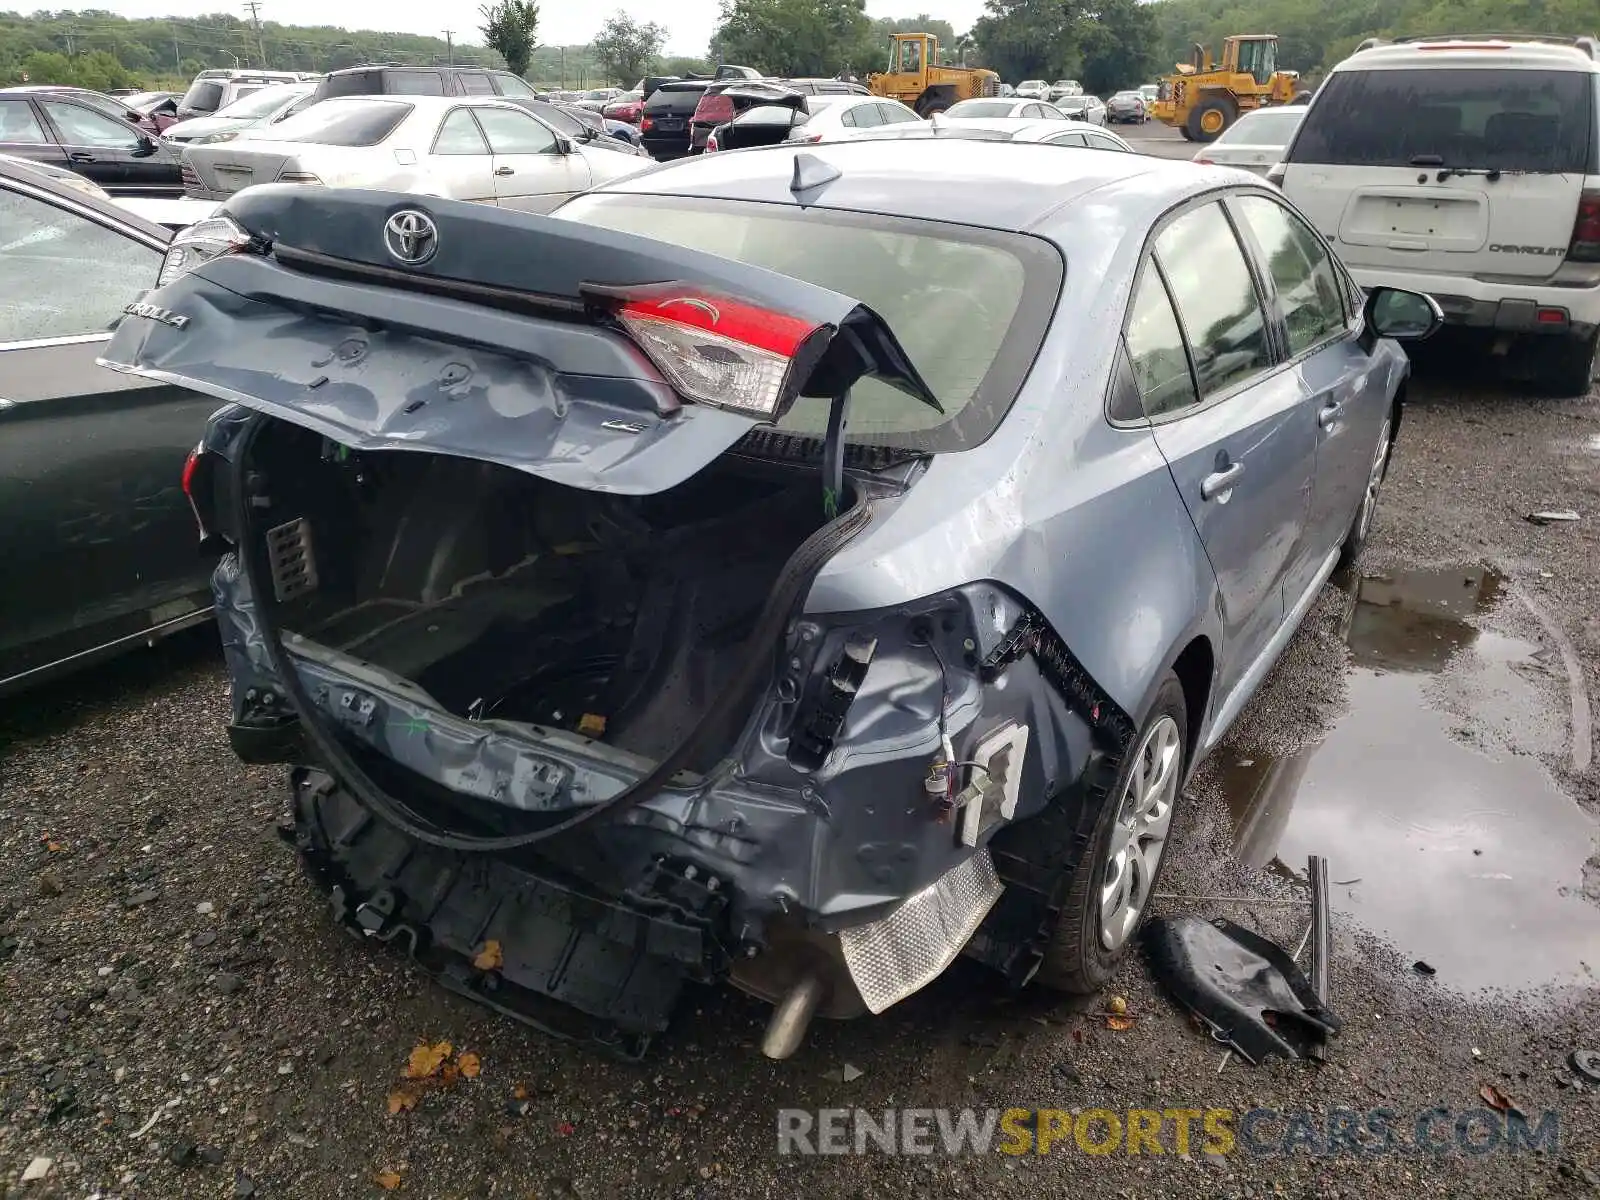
(969,305)
(1514,120)
(349,123)
(203,96)
(980,108)
(264,102)
(1263,129)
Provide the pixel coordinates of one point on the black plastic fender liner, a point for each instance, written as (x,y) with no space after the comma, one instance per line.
(786,594)
(1246,988)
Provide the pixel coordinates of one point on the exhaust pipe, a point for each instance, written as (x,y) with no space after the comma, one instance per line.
(792,1017)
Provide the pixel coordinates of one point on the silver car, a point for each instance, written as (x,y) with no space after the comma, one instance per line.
(774,567)
(997,129)
(1083,108)
(1256,141)
(258,109)
(463,147)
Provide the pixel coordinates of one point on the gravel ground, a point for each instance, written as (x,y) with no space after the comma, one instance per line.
(179,1017)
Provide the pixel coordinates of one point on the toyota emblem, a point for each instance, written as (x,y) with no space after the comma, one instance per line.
(411,236)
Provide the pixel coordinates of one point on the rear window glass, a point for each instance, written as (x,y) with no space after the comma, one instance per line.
(203,96)
(414,83)
(1263,129)
(354,83)
(352,124)
(969,305)
(513,85)
(980,108)
(262,102)
(1513,120)
(674,99)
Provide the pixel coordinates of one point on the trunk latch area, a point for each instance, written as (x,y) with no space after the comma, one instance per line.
(289,557)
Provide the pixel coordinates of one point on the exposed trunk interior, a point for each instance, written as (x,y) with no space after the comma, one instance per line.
(620,618)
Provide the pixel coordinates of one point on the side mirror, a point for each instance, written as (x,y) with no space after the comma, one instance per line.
(147,146)
(1403,316)
(563,145)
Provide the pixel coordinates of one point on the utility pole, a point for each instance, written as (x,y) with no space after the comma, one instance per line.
(255,15)
(450,45)
(177,56)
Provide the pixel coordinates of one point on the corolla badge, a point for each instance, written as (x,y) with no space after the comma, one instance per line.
(153,313)
(411,237)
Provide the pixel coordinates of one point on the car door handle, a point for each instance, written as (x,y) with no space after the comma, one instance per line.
(81,156)
(504,171)
(1214,484)
(1329,413)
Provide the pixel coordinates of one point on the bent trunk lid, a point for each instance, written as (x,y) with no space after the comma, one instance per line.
(493,349)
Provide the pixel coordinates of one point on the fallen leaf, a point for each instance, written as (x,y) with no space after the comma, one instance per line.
(566,1129)
(1118,1023)
(387,1180)
(1498,1100)
(449,1075)
(426,1060)
(55,847)
(519,1092)
(402,1100)
(489,958)
(470,1065)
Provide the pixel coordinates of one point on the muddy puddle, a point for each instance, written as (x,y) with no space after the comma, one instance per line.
(1443,833)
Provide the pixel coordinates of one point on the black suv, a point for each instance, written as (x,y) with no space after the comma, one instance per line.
(390,79)
(667,111)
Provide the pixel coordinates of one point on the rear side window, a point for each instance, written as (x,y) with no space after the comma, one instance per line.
(355,83)
(204,95)
(18,125)
(1216,298)
(513,85)
(1302,273)
(350,124)
(414,83)
(475,85)
(1155,348)
(1513,120)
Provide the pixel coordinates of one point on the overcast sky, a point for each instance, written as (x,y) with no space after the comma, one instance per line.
(561,22)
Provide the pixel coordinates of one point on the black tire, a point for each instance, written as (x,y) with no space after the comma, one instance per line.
(1224,106)
(1566,369)
(1187,136)
(1077,961)
(1355,538)
(933,110)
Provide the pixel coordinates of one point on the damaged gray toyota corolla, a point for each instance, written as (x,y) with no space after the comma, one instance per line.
(802,615)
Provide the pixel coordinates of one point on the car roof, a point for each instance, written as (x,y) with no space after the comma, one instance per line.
(933,179)
(1483,51)
(25,173)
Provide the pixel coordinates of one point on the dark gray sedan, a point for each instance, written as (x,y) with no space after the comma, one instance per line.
(860,598)
(97,534)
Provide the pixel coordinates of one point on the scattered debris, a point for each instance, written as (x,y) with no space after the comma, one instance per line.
(150,1124)
(426,1060)
(182,1153)
(37,1169)
(205,908)
(141,898)
(387,1180)
(1244,978)
(403,1100)
(1476,1053)
(566,1129)
(489,958)
(1552,516)
(49,886)
(1586,1063)
(845,1074)
(1498,1100)
(469,1064)
(1422,968)
(1120,1024)
(243,1186)
(1118,1006)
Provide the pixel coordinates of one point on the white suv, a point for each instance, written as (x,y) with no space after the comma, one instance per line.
(1468,168)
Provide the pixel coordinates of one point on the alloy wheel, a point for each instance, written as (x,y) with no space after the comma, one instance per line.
(1139,833)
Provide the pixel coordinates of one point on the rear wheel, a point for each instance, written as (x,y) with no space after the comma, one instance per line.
(1210,117)
(1187,136)
(1115,880)
(1567,368)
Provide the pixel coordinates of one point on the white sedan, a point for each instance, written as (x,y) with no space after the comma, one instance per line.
(1257,140)
(966,110)
(831,114)
(463,147)
(997,129)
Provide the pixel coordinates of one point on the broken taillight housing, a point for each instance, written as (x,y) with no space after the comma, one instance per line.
(1585,246)
(200,243)
(721,352)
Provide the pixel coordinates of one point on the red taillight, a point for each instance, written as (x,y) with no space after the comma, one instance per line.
(1585,245)
(191,469)
(711,143)
(809,137)
(646,124)
(188,473)
(719,351)
(713,110)
(1205,162)
(1552,316)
